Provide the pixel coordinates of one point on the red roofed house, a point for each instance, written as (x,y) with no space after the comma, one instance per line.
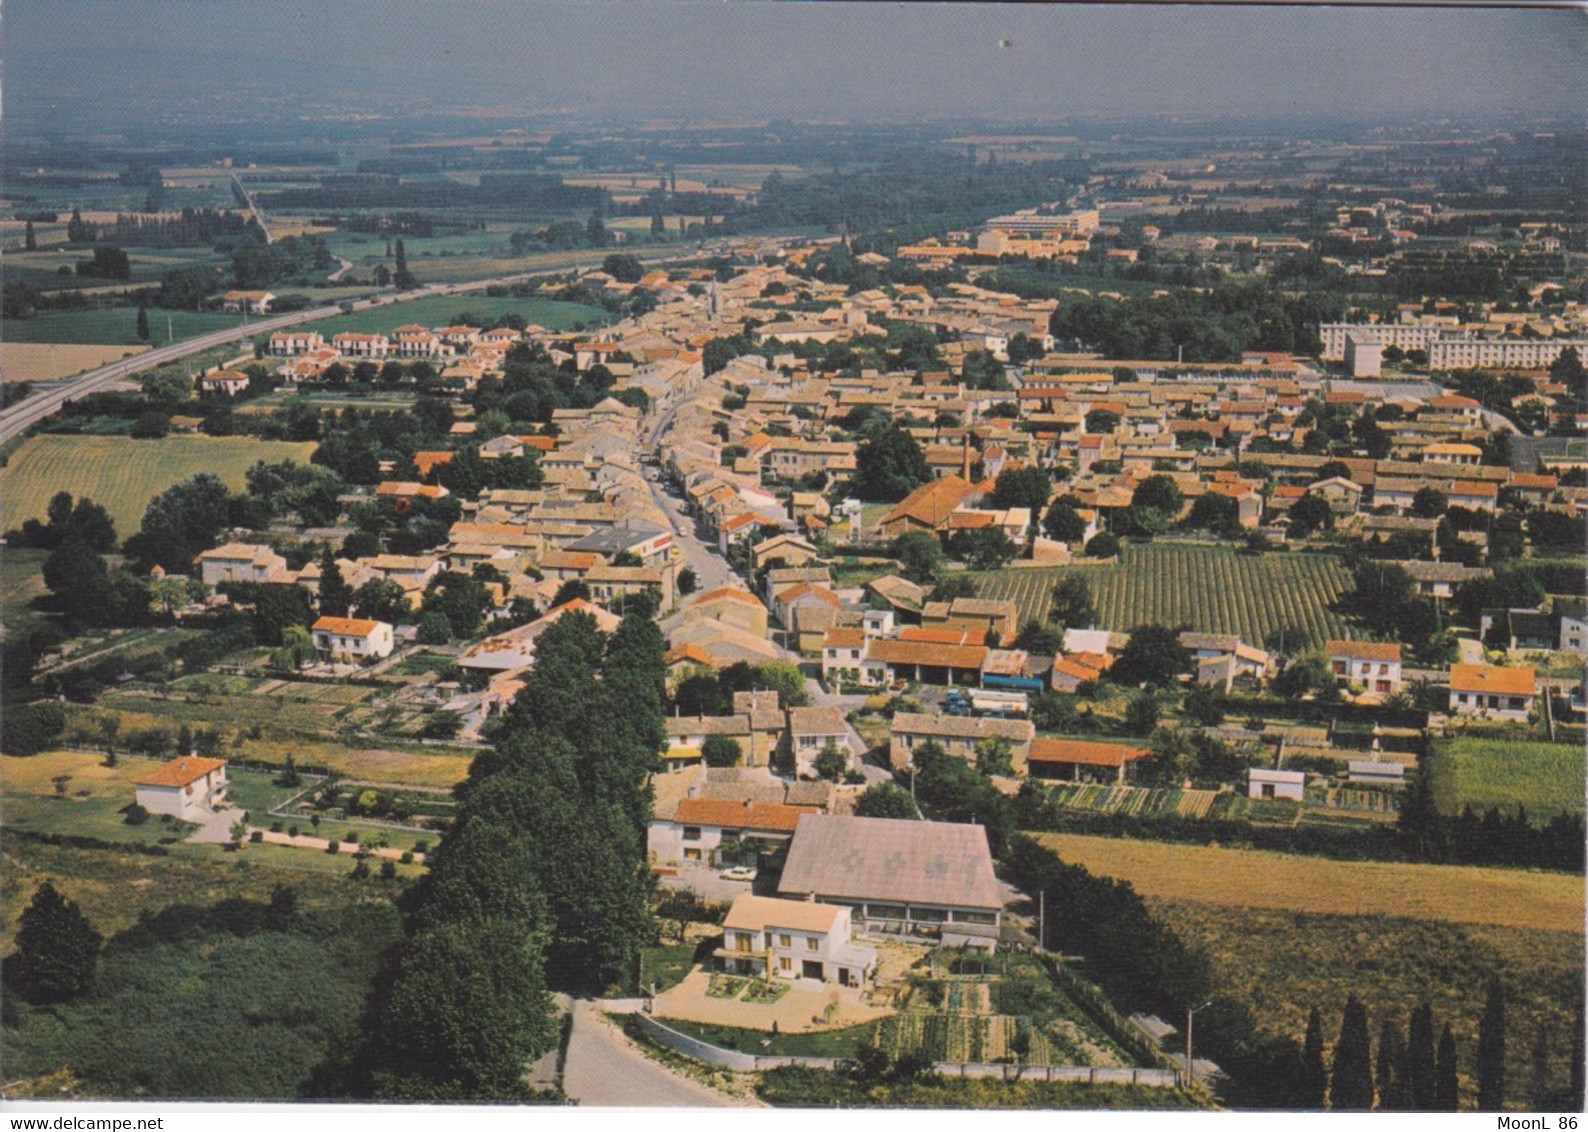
(187,787)
(1491,691)
(703,829)
(351,638)
(927,508)
(1079,760)
(1377,667)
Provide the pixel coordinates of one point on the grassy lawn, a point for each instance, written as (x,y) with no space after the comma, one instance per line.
(123,474)
(443,311)
(21,580)
(1252,878)
(1543,778)
(93,805)
(825,1043)
(114,326)
(666,965)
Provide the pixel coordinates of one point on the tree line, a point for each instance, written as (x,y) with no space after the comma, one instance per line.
(542,884)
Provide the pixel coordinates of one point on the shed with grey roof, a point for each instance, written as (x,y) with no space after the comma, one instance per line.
(907,877)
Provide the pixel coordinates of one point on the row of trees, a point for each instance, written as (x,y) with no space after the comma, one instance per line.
(541,885)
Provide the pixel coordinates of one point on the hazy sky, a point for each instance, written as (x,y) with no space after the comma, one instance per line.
(724,58)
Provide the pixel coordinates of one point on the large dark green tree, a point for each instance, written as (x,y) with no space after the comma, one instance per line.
(889,465)
(1027,487)
(1418,1072)
(1153,655)
(183,521)
(1071,606)
(57,948)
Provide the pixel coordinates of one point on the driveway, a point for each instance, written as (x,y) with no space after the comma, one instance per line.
(217,828)
(603,1069)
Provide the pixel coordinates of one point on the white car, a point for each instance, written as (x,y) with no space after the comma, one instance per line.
(741,872)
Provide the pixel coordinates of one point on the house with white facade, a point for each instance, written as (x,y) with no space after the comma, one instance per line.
(1263,783)
(351,638)
(793,939)
(1375,666)
(1491,691)
(709,831)
(187,787)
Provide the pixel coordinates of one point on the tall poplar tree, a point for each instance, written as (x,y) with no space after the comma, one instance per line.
(1418,1075)
(1446,1097)
(1491,1051)
(1351,1081)
(1314,1077)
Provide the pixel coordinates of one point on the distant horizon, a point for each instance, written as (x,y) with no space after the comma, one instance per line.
(143,65)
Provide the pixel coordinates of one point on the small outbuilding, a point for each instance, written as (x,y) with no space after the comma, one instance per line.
(1290,784)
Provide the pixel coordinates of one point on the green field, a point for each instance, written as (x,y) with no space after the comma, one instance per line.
(1208,589)
(443,311)
(124,474)
(1543,778)
(115,326)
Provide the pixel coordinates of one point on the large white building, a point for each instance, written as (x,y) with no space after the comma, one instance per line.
(793,939)
(1499,353)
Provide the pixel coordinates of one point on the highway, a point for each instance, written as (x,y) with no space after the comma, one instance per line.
(22,415)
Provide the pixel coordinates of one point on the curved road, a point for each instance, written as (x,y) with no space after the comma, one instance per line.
(42,404)
(604,1070)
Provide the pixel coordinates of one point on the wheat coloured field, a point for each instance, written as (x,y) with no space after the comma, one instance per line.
(38,361)
(123,474)
(1250,878)
(1210,589)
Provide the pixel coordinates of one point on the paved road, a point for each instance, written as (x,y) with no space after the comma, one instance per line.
(604,1070)
(711,569)
(47,401)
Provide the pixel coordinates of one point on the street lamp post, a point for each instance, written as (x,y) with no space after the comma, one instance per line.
(1190,1022)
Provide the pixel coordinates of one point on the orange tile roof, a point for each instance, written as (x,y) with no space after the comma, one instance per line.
(1493,680)
(426,462)
(347,626)
(844,638)
(180,771)
(923,652)
(1083,752)
(931,503)
(725,813)
(1363,650)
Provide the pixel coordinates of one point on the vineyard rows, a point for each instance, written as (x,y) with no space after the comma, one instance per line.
(1209,589)
(990,1038)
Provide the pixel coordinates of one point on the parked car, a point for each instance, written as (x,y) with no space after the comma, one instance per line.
(739,872)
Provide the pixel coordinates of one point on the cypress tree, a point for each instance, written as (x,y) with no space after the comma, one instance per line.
(1314,1077)
(1417,1079)
(1577,1058)
(1541,1093)
(1351,1084)
(1392,1088)
(335,594)
(1491,1051)
(402,277)
(1445,1096)
(143,324)
(29,240)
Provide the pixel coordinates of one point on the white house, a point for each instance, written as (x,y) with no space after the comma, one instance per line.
(352,638)
(1491,691)
(227,381)
(1262,783)
(793,939)
(1573,618)
(187,787)
(239,562)
(254,302)
(1375,666)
